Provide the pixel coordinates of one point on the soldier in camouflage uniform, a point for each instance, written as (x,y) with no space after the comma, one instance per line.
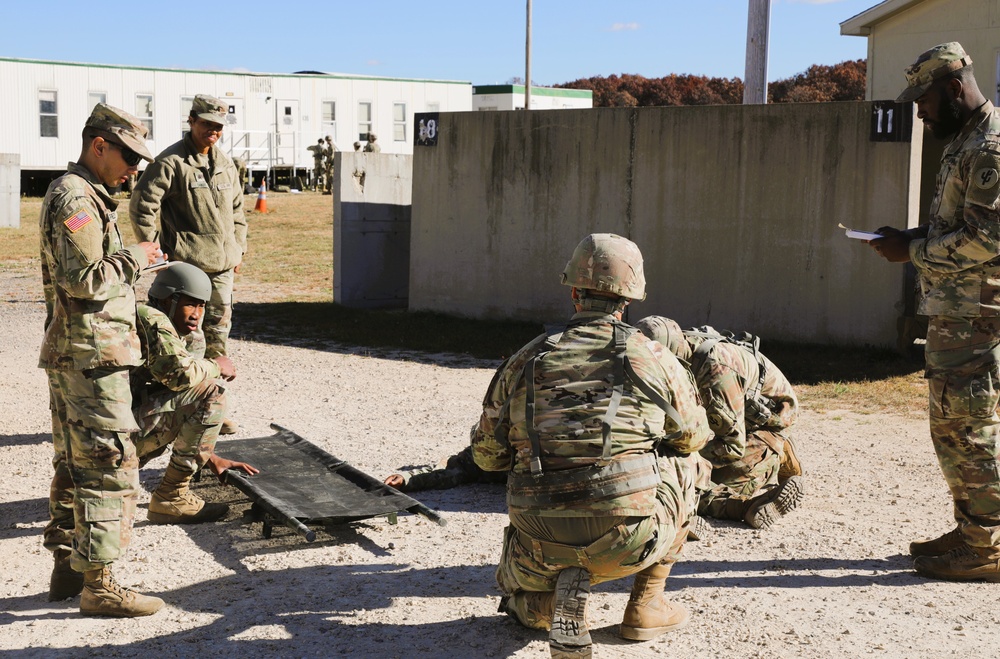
(599,429)
(195,189)
(317,151)
(750,406)
(328,152)
(458,469)
(372,147)
(177,399)
(957,257)
(90,344)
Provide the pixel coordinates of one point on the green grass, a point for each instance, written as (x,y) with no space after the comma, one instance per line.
(288,272)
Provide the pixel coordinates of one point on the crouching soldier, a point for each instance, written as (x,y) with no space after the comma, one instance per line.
(177,397)
(599,429)
(750,405)
(455,470)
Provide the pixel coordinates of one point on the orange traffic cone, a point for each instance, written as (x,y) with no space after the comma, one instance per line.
(261,205)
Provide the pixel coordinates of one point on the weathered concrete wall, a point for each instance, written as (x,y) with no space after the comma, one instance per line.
(735,208)
(371,229)
(10,190)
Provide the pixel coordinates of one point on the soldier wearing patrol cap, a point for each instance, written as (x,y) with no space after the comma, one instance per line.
(90,343)
(957,257)
(195,189)
(372,147)
(599,429)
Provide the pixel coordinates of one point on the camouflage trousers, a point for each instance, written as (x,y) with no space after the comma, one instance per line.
(218,319)
(537,548)
(93,492)
(459,469)
(735,483)
(963,373)
(189,420)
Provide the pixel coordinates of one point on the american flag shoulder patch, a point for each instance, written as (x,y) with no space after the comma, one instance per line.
(78,221)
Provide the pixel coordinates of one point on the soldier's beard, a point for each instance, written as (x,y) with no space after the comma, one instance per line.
(950,121)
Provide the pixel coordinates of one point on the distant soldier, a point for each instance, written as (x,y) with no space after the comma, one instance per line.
(241,172)
(90,344)
(318,155)
(372,146)
(357,146)
(458,469)
(750,406)
(328,152)
(177,398)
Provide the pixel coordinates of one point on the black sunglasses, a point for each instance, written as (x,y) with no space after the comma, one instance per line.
(130,157)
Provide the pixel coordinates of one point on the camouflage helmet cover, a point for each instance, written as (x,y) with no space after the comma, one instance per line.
(932,65)
(607,263)
(181,278)
(668,333)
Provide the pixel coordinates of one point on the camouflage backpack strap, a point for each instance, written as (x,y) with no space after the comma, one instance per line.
(620,339)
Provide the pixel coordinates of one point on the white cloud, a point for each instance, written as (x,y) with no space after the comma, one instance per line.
(622,27)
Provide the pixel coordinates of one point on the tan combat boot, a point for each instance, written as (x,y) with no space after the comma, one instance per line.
(768,508)
(173,503)
(790,465)
(569,636)
(65,582)
(531,610)
(229,427)
(937,546)
(963,563)
(648,613)
(102,596)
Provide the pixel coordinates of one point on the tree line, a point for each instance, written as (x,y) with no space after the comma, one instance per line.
(820,83)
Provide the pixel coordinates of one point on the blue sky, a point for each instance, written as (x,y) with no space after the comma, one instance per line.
(480,41)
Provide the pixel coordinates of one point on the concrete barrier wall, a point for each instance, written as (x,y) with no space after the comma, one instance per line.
(735,208)
(371,229)
(10,190)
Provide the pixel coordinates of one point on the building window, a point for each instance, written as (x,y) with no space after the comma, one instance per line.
(399,122)
(328,119)
(47,115)
(93,98)
(364,120)
(144,112)
(186,102)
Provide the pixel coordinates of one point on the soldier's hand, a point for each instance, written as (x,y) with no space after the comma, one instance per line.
(153,253)
(237,268)
(219,465)
(894,247)
(226,367)
(394,480)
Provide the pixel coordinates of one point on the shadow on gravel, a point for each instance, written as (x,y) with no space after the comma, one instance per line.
(316,610)
(26,440)
(420,336)
(21,518)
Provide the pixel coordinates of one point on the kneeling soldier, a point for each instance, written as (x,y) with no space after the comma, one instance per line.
(177,397)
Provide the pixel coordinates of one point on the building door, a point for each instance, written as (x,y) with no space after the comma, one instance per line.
(286,134)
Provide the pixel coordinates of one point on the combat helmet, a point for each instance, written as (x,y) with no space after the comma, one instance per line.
(668,333)
(181,278)
(609,264)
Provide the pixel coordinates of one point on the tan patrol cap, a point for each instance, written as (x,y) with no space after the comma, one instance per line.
(932,65)
(121,128)
(209,108)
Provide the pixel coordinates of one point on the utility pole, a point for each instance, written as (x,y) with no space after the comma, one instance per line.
(755,79)
(527,61)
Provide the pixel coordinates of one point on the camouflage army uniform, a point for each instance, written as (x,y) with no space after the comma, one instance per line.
(177,396)
(958,264)
(90,343)
(745,456)
(564,517)
(328,152)
(318,156)
(199,199)
(458,469)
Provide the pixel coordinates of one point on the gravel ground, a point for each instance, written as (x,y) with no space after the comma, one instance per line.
(831,580)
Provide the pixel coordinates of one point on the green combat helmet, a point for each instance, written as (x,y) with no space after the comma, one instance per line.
(608,264)
(181,278)
(668,333)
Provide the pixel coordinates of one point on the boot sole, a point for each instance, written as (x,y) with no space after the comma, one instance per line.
(785,501)
(989,577)
(198,518)
(569,636)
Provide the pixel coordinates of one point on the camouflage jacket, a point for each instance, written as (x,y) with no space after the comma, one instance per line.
(958,261)
(458,469)
(725,376)
(87,277)
(199,199)
(573,387)
(169,361)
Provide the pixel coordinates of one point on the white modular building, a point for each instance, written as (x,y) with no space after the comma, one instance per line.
(273,117)
(511,97)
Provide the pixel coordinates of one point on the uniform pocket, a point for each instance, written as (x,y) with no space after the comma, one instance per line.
(956,396)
